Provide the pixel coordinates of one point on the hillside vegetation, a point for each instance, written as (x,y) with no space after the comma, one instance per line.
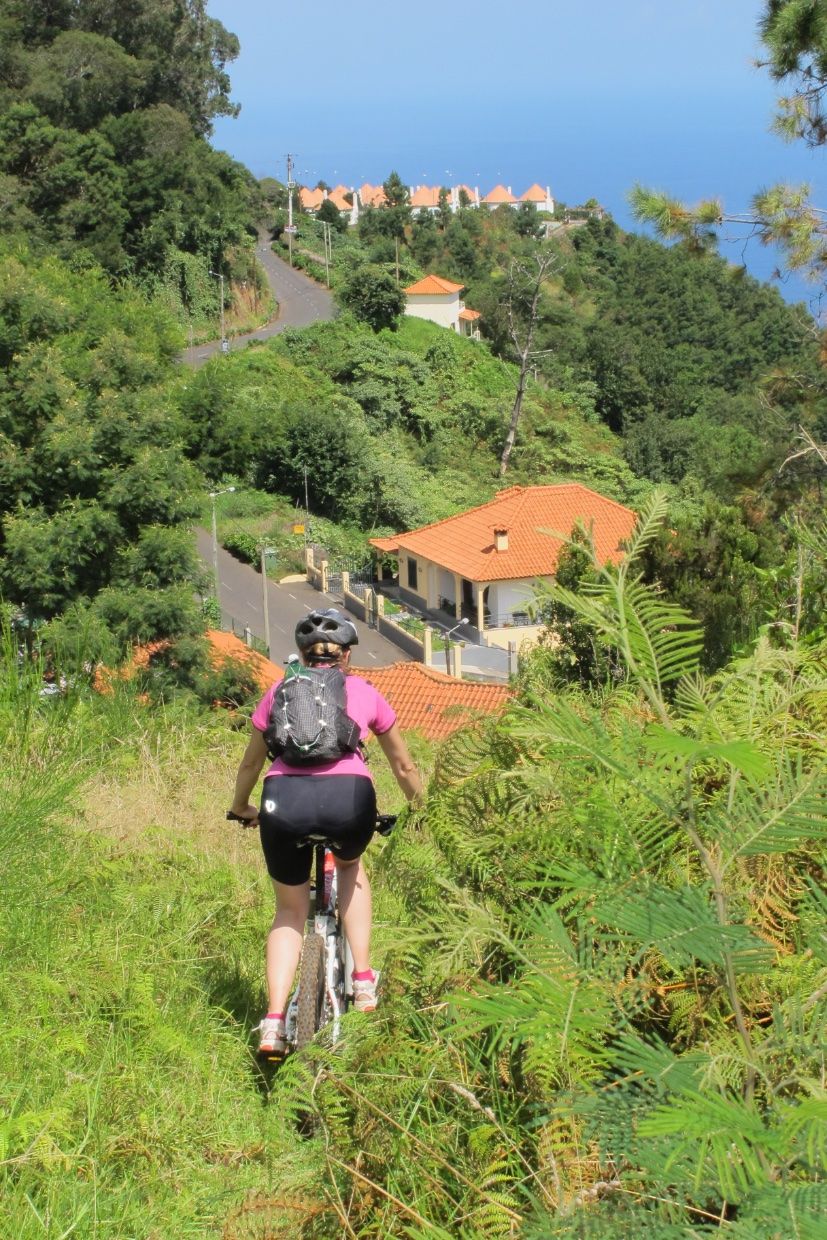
(602,934)
(602,943)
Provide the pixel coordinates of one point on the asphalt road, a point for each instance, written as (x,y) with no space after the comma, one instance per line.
(301,301)
(242,603)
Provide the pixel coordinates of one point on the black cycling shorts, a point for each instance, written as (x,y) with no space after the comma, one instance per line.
(340,807)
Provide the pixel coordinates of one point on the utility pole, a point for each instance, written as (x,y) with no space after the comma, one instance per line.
(290,184)
(397,260)
(265,551)
(328,249)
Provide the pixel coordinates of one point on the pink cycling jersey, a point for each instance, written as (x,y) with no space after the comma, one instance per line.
(365,705)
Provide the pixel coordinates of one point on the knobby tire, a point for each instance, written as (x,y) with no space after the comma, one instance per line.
(311,990)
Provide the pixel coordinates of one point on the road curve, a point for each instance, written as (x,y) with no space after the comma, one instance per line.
(301,302)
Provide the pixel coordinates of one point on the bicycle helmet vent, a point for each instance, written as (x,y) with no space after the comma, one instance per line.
(329,626)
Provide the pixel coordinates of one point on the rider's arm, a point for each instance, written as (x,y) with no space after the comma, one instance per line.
(396,751)
(255,755)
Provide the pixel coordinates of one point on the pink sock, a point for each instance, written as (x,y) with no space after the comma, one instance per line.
(366,975)
(274,1016)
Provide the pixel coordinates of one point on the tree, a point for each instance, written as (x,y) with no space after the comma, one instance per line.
(94,488)
(525,285)
(396,192)
(373,296)
(329,213)
(795,34)
(527,221)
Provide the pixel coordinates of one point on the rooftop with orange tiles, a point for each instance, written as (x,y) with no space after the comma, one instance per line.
(537,520)
(425,196)
(534,193)
(432,286)
(498,195)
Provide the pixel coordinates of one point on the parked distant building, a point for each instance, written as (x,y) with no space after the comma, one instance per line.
(438,299)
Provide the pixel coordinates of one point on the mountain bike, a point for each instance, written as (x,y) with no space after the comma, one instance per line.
(324,990)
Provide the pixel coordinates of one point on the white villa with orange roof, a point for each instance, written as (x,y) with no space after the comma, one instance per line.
(499,196)
(426,198)
(483,565)
(438,299)
(541,198)
(371,195)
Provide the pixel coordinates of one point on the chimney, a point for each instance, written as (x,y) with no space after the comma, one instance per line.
(500,540)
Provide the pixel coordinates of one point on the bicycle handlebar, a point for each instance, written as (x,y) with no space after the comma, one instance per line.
(247,822)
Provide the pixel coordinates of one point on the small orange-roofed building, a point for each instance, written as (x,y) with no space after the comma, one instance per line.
(371,195)
(426,198)
(473,196)
(437,299)
(499,196)
(310,199)
(541,198)
(483,565)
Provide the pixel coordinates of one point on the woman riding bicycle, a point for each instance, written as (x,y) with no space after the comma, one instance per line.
(336,799)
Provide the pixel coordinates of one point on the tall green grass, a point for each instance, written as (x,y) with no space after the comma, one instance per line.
(129,1103)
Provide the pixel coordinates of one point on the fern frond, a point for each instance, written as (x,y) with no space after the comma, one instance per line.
(788,814)
(681,924)
(651,516)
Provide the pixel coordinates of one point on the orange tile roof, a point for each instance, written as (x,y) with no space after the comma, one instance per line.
(386,544)
(499,194)
(372,195)
(311,199)
(426,196)
(468,190)
(228,646)
(432,286)
(535,193)
(337,197)
(469,315)
(464,544)
(424,699)
(432,703)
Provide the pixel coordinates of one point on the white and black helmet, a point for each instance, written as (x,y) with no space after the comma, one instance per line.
(330,625)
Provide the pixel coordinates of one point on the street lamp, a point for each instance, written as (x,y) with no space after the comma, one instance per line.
(213,497)
(265,551)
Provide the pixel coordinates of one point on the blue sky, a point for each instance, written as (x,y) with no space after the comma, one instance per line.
(589,99)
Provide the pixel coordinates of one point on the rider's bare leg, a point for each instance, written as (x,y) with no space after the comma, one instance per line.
(356,909)
(284,942)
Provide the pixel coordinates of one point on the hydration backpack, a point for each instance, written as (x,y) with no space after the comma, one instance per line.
(309,723)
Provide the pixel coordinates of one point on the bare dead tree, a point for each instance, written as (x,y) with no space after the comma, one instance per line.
(525,284)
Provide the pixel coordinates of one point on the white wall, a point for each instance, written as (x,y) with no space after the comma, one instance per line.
(442,310)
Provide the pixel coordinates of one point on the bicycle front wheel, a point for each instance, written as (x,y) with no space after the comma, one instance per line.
(311,990)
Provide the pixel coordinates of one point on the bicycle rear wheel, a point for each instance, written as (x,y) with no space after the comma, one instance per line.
(311,989)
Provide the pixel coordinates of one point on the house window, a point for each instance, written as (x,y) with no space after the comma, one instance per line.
(412,573)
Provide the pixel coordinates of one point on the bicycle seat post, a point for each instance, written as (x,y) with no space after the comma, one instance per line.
(317,901)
